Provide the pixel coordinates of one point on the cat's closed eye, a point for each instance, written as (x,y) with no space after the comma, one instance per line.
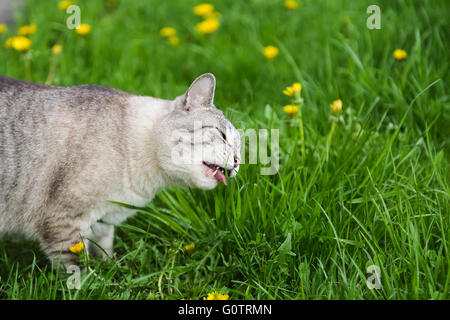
(222,134)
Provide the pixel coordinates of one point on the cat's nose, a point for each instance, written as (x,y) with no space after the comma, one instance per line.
(236,162)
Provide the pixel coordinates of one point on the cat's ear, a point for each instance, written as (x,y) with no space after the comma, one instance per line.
(201,92)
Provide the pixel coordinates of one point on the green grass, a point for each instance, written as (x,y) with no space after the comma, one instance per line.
(379,195)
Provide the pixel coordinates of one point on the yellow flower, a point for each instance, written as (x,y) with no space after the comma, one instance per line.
(290,4)
(293,90)
(19,43)
(291,109)
(83,29)
(203,9)
(63,5)
(27,29)
(3,28)
(167,32)
(189,246)
(336,106)
(270,52)
(208,26)
(400,54)
(216,296)
(56,49)
(174,40)
(347,19)
(77,248)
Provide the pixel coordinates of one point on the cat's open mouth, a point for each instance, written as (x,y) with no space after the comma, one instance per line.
(218,172)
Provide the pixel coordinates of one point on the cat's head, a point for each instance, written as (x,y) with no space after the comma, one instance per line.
(198,146)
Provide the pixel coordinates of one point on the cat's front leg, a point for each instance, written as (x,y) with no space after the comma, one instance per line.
(102,235)
(58,234)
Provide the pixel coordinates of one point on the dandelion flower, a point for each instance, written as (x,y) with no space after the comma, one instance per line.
(3,28)
(204,9)
(27,29)
(63,5)
(291,109)
(336,106)
(208,26)
(56,49)
(293,90)
(77,248)
(167,32)
(83,29)
(400,54)
(173,40)
(189,247)
(291,4)
(18,43)
(216,296)
(270,52)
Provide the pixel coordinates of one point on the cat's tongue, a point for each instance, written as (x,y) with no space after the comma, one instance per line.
(221,177)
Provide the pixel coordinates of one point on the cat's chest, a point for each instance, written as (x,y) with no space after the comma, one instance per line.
(114,214)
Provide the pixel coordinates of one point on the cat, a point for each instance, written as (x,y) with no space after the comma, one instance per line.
(67,152)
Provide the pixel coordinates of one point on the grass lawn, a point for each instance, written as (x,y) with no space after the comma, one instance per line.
(372,191)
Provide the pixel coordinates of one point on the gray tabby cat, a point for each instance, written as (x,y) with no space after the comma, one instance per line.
(65,152)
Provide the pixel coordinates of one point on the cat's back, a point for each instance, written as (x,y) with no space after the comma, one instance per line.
(35,115)
(37,118)
(31,109)
(8,84)
(20,93)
